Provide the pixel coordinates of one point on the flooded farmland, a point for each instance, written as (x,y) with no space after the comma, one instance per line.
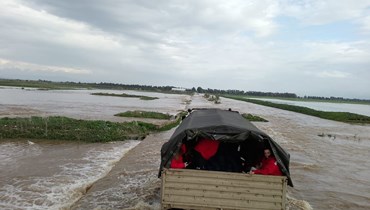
(330,163)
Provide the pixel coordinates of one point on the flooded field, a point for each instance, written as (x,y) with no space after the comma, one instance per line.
(82,105)
(330,163)
(363,109)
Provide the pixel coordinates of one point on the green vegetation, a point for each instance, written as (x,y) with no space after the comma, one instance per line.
(337,116)
(125,95)
(173,124)
(63,128)
(144,114)
(255,118)
(215,98)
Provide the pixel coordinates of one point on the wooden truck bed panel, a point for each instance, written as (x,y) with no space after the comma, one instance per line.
(199,189)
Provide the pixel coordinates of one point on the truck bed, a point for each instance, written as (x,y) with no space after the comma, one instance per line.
(200,189)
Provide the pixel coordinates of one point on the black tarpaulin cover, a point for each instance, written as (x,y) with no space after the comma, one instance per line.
(225,126)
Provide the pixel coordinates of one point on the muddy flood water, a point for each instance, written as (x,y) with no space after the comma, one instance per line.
(330,161)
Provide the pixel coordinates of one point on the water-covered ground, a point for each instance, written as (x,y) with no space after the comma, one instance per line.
(363,109)
(53,175)
(330,163)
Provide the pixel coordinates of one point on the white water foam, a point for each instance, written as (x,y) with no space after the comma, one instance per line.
(295,204)
(64,188)
(14,151)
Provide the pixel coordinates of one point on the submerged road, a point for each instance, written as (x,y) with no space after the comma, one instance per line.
(133,182)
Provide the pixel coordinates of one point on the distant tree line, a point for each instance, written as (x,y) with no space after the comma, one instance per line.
(167,89)
(246,93)
(272,94)
(104,85)
(332,98)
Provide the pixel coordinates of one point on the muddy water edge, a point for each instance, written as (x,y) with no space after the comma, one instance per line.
(133,182)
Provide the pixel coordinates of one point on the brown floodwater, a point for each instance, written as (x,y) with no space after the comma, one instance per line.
(330,163)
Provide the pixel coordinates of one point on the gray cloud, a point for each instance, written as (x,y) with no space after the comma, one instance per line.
(215,44)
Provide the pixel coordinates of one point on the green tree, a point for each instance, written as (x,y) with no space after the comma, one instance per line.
(200,90)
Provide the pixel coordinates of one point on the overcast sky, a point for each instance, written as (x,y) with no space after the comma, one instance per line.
(308,47)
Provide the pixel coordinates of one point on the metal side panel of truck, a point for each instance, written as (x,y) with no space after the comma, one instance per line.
(200,189)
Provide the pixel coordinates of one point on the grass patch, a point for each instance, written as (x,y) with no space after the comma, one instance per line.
(173,124)
(144,114)
(213,98)
(125,95)
(64,128)
(337,116)
(254,118)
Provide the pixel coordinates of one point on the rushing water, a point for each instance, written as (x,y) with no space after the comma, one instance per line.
(330,162)
(330,172)
(53,175)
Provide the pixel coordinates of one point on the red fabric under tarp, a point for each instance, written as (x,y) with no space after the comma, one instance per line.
(269,167)
(178,163)
(207,148)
